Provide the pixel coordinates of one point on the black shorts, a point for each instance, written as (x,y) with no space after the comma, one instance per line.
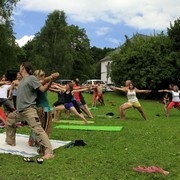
(76,105)
(83,102)
(57,103)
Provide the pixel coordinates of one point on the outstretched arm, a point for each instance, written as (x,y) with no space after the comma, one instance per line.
(57,88)
(80,90)
(142,91)
(165,90)
(124,89)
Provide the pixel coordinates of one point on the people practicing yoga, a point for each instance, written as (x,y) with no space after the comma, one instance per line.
(68,92)
(26,109)
(175,99)
(4,88)
(80,99)
(13,89)
(97,94)
(43,107)
(131,91)
(166,101)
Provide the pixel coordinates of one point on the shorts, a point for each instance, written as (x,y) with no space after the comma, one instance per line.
(77,107)
(100,96)
(172,104)
(68,105)
(57,103)
(134,104)
(83,102)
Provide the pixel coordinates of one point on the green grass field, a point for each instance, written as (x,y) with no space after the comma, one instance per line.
(107,155)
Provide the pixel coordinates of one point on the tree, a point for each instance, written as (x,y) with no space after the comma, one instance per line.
(60,47)
(174,35)
(145,61)
(6,8)
(9,49)
(82,64)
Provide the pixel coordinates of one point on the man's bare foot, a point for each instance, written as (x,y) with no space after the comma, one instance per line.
(48,156)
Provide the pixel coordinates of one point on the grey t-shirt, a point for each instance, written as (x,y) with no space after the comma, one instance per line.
(27,92)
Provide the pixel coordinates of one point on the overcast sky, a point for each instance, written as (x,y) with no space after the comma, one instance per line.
(106,21)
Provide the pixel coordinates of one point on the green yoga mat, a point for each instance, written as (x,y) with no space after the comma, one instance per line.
(93,108)
(91,128)
(72,122)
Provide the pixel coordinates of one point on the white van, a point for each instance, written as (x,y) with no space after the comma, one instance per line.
(95,81)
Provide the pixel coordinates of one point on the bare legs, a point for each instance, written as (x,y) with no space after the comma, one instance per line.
(122,109)
(168,112)
(86,110)
(73,109)
(125,106)
(142,112)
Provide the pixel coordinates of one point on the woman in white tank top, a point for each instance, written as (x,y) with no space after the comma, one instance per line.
(131,91)
(175,99)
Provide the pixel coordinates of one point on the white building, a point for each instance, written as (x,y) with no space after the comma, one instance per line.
(105,70)
(106,62)
(106,67)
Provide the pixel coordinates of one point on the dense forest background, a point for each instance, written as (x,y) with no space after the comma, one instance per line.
(150,61)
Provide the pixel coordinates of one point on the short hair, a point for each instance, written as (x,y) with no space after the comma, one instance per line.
(28,67)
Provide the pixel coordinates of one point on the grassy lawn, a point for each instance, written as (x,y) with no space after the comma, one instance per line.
(108,155)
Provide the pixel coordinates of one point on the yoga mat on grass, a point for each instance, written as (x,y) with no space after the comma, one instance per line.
(22,148)
(93,108)
(91,128)
(72,122)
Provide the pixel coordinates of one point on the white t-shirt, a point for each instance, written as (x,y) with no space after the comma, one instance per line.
(3,90)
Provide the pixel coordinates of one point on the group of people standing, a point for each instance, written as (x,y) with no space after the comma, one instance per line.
(131,91)
(31,106)
(29,92)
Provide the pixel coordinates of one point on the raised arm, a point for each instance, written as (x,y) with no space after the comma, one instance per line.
(52,77)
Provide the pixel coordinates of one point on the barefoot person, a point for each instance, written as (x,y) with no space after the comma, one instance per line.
(80,99)
(175,99)
(132,100)
(43,108)
(68,98)
(13,88)
(26,110)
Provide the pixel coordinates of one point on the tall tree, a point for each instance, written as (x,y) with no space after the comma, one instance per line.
(174,35)
(9,49)
(60,47)
(6,8)
(82,59)
(145,61)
